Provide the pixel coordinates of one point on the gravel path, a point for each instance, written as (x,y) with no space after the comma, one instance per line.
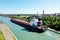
(6,32)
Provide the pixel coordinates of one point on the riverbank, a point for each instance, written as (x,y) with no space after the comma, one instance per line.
(7,33)
(54,30)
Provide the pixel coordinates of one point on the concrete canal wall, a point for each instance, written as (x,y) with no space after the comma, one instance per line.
(54,30)
(6,31)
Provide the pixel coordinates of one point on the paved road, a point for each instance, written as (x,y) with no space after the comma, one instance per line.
(22,34)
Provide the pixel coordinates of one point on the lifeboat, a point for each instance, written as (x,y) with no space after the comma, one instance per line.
(28,26)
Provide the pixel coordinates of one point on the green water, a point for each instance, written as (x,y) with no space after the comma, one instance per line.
(22,34)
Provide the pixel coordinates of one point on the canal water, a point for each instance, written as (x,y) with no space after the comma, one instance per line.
(23,34)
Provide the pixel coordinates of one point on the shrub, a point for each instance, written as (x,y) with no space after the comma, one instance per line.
(52,22)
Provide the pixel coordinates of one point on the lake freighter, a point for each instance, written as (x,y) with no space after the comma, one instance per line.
(28,26)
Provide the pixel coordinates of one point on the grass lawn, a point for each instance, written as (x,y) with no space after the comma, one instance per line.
(1,36)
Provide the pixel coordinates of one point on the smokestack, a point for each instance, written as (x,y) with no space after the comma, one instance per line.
(43,12)
(37,13)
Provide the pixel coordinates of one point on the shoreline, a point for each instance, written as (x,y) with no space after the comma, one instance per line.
(53,30)
(10,31)
(7,32)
